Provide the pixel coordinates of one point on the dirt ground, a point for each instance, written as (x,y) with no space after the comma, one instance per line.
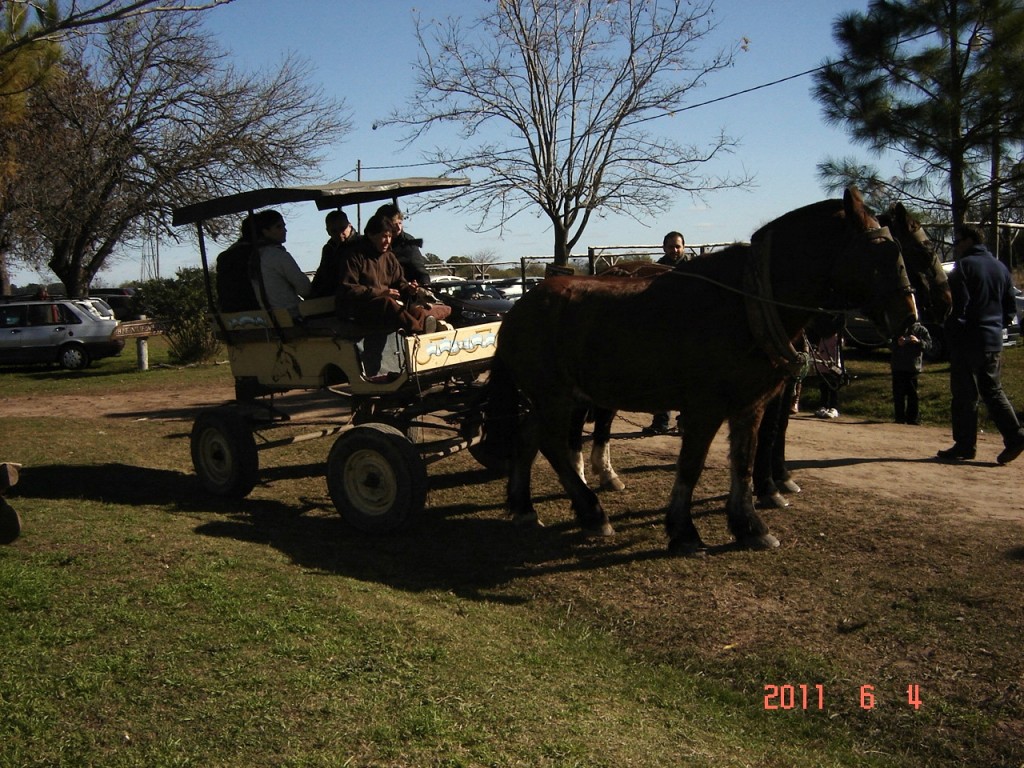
(893,460)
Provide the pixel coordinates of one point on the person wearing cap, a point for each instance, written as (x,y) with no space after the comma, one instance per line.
(340,231)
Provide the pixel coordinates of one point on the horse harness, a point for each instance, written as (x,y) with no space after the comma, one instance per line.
(761,306)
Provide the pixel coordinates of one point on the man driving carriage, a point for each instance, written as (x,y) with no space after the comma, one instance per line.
(372,288)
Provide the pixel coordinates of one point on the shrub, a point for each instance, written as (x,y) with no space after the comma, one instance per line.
(181,303)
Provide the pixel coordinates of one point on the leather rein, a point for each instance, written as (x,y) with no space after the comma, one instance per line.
(762,311)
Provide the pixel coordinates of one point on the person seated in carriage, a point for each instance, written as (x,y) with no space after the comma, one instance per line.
(372,289)
(256,271)
(405,247)
(342,236)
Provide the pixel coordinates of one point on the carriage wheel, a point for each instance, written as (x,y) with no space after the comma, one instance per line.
(10,523)
(224,453)
(376,478)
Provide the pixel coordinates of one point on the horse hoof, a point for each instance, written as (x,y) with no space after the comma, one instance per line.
(613,484)
(688,548)
(788,486)
(527,520)
(772,500)
(602,530)
(764,541)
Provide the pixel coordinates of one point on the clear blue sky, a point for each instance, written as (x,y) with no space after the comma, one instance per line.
(362,50)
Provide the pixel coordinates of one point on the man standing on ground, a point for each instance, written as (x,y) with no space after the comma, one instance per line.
(983,305)
(674,247)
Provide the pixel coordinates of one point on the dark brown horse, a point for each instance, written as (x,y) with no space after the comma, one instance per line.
(927,278)
(712,338)
(931,286)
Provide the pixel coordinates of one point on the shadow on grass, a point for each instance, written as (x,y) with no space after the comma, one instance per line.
(469,548)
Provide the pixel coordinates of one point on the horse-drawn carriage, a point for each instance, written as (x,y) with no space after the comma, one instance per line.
(822,258)
(404,401)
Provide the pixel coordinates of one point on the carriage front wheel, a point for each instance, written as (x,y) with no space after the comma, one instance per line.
(224,453)
(376,478)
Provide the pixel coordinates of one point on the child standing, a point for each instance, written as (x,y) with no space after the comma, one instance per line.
(907,361)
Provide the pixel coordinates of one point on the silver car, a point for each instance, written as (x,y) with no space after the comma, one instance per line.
(71,332)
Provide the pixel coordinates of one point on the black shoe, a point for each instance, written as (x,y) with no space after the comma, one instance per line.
(958,453)
(1012,451)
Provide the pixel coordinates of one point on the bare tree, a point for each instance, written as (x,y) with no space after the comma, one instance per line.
(53,22)
(146,118)
(575,86)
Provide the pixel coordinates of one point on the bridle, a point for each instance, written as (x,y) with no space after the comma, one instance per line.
(762,307)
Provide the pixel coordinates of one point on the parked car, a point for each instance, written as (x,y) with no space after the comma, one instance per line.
(472,301)
(125,302)
(70,332)
(512,287)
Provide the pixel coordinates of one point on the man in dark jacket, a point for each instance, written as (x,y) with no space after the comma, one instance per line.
(340,231)
(405,247)
(983,304)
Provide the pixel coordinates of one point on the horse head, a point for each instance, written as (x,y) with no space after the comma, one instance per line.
(931,286)
(871,272)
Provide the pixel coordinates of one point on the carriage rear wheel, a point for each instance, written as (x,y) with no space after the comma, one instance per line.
(10,523)
(376,478)
(224,453)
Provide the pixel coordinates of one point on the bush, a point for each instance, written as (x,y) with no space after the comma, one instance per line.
(181,303)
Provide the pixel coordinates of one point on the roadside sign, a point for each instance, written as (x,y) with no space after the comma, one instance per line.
(139,329)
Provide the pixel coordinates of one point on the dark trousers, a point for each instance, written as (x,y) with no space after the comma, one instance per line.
(829,395)
(904,396)
(770,456)
(974,375)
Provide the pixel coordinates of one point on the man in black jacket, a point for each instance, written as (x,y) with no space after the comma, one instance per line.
(340,231)
(983,304)
(405,246)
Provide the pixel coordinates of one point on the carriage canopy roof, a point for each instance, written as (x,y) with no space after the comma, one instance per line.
(331,195)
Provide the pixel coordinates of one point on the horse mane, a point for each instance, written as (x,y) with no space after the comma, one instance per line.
(821,213)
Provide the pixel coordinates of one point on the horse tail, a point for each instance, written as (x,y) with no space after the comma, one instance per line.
(501,411)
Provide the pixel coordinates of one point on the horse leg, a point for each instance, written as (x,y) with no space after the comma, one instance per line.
(519,492)
(744,524)
(553,425)
(579,418)
(601,455)
(683,538)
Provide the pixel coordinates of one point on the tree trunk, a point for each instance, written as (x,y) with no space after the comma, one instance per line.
(561,247)
(5,276)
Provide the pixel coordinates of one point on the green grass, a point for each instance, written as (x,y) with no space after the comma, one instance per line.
(869,395)
(155,634)
(144,623)
(107,374)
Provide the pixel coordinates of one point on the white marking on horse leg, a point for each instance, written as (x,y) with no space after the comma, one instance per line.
(601,464)
(576,459)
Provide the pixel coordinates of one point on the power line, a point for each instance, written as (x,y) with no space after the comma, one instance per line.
(644,120)
(674,112)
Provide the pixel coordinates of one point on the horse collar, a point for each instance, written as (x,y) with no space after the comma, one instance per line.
(765,323)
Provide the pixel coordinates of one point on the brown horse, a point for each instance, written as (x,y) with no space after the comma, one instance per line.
(712,338)
(927,278)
